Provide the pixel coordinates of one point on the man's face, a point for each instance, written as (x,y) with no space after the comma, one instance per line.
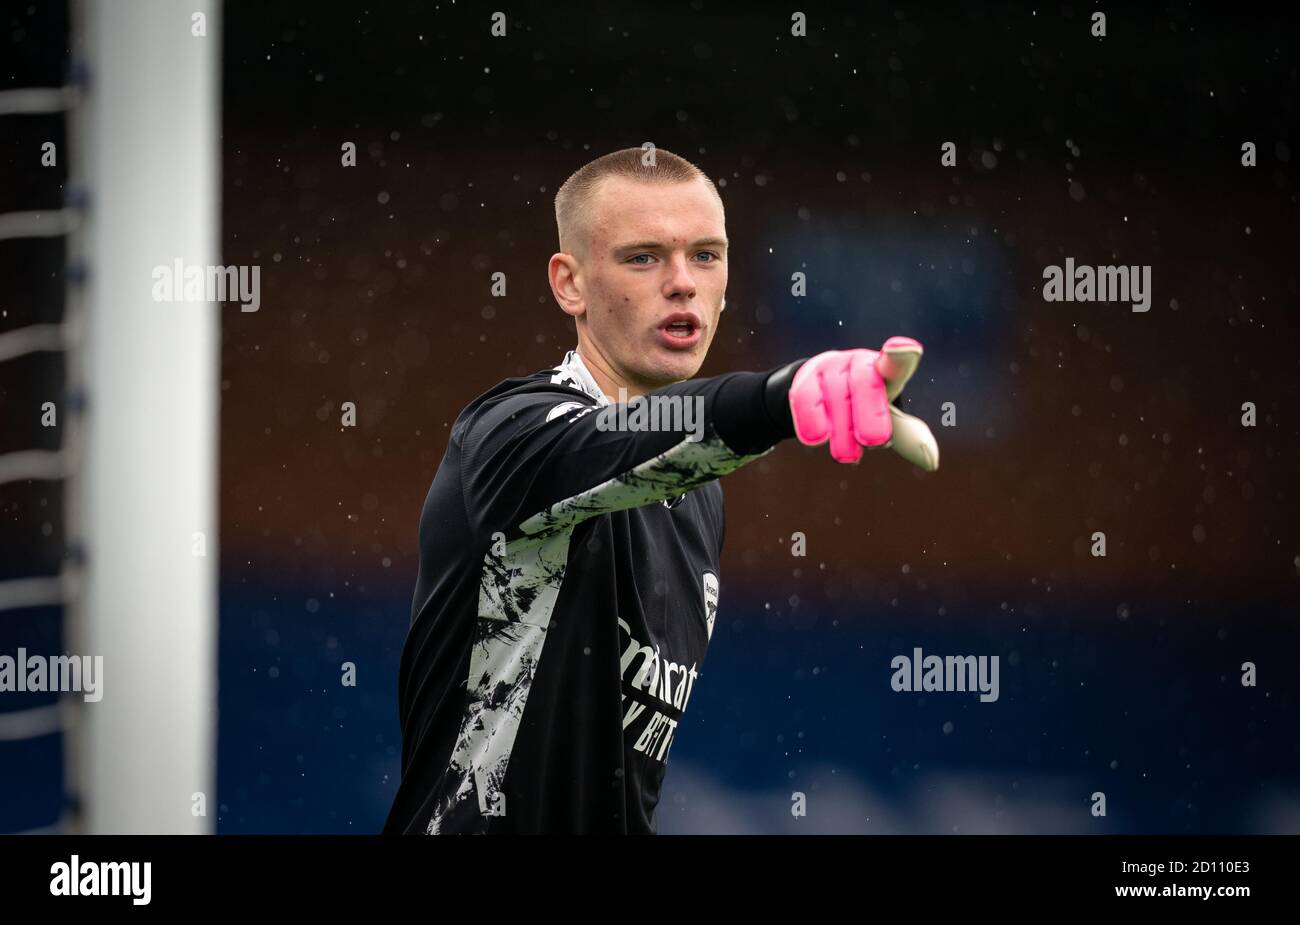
(653,279)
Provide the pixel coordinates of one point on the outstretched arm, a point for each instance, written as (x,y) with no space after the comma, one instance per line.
(540,461)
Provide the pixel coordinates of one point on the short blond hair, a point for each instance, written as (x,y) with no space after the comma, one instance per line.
(575,198)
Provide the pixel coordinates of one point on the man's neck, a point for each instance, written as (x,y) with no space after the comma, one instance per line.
(608,382)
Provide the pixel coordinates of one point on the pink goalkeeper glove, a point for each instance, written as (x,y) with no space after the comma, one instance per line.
(845,395)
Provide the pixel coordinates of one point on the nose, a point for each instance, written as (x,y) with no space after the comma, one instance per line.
(680,281)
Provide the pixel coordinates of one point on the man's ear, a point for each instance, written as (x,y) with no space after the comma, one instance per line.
(724,305)
(560,273)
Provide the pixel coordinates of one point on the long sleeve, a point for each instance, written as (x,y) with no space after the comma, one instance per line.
(543,459)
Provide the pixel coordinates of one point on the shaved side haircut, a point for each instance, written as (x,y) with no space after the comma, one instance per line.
(577,196)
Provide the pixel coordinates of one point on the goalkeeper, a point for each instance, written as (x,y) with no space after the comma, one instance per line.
(569,570)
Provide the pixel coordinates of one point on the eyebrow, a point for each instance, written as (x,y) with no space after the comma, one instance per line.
(659,245)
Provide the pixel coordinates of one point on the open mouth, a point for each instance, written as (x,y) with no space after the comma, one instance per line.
(681,331)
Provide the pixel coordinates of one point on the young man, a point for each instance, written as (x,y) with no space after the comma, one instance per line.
(569,556)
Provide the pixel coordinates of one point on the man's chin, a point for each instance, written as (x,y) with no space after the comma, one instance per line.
(674,366)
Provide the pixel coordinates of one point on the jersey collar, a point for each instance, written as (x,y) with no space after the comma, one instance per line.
(574,372)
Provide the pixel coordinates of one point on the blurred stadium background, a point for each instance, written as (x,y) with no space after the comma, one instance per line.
(1118,674)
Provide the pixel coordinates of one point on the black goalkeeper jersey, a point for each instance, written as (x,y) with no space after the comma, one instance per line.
(568,585)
